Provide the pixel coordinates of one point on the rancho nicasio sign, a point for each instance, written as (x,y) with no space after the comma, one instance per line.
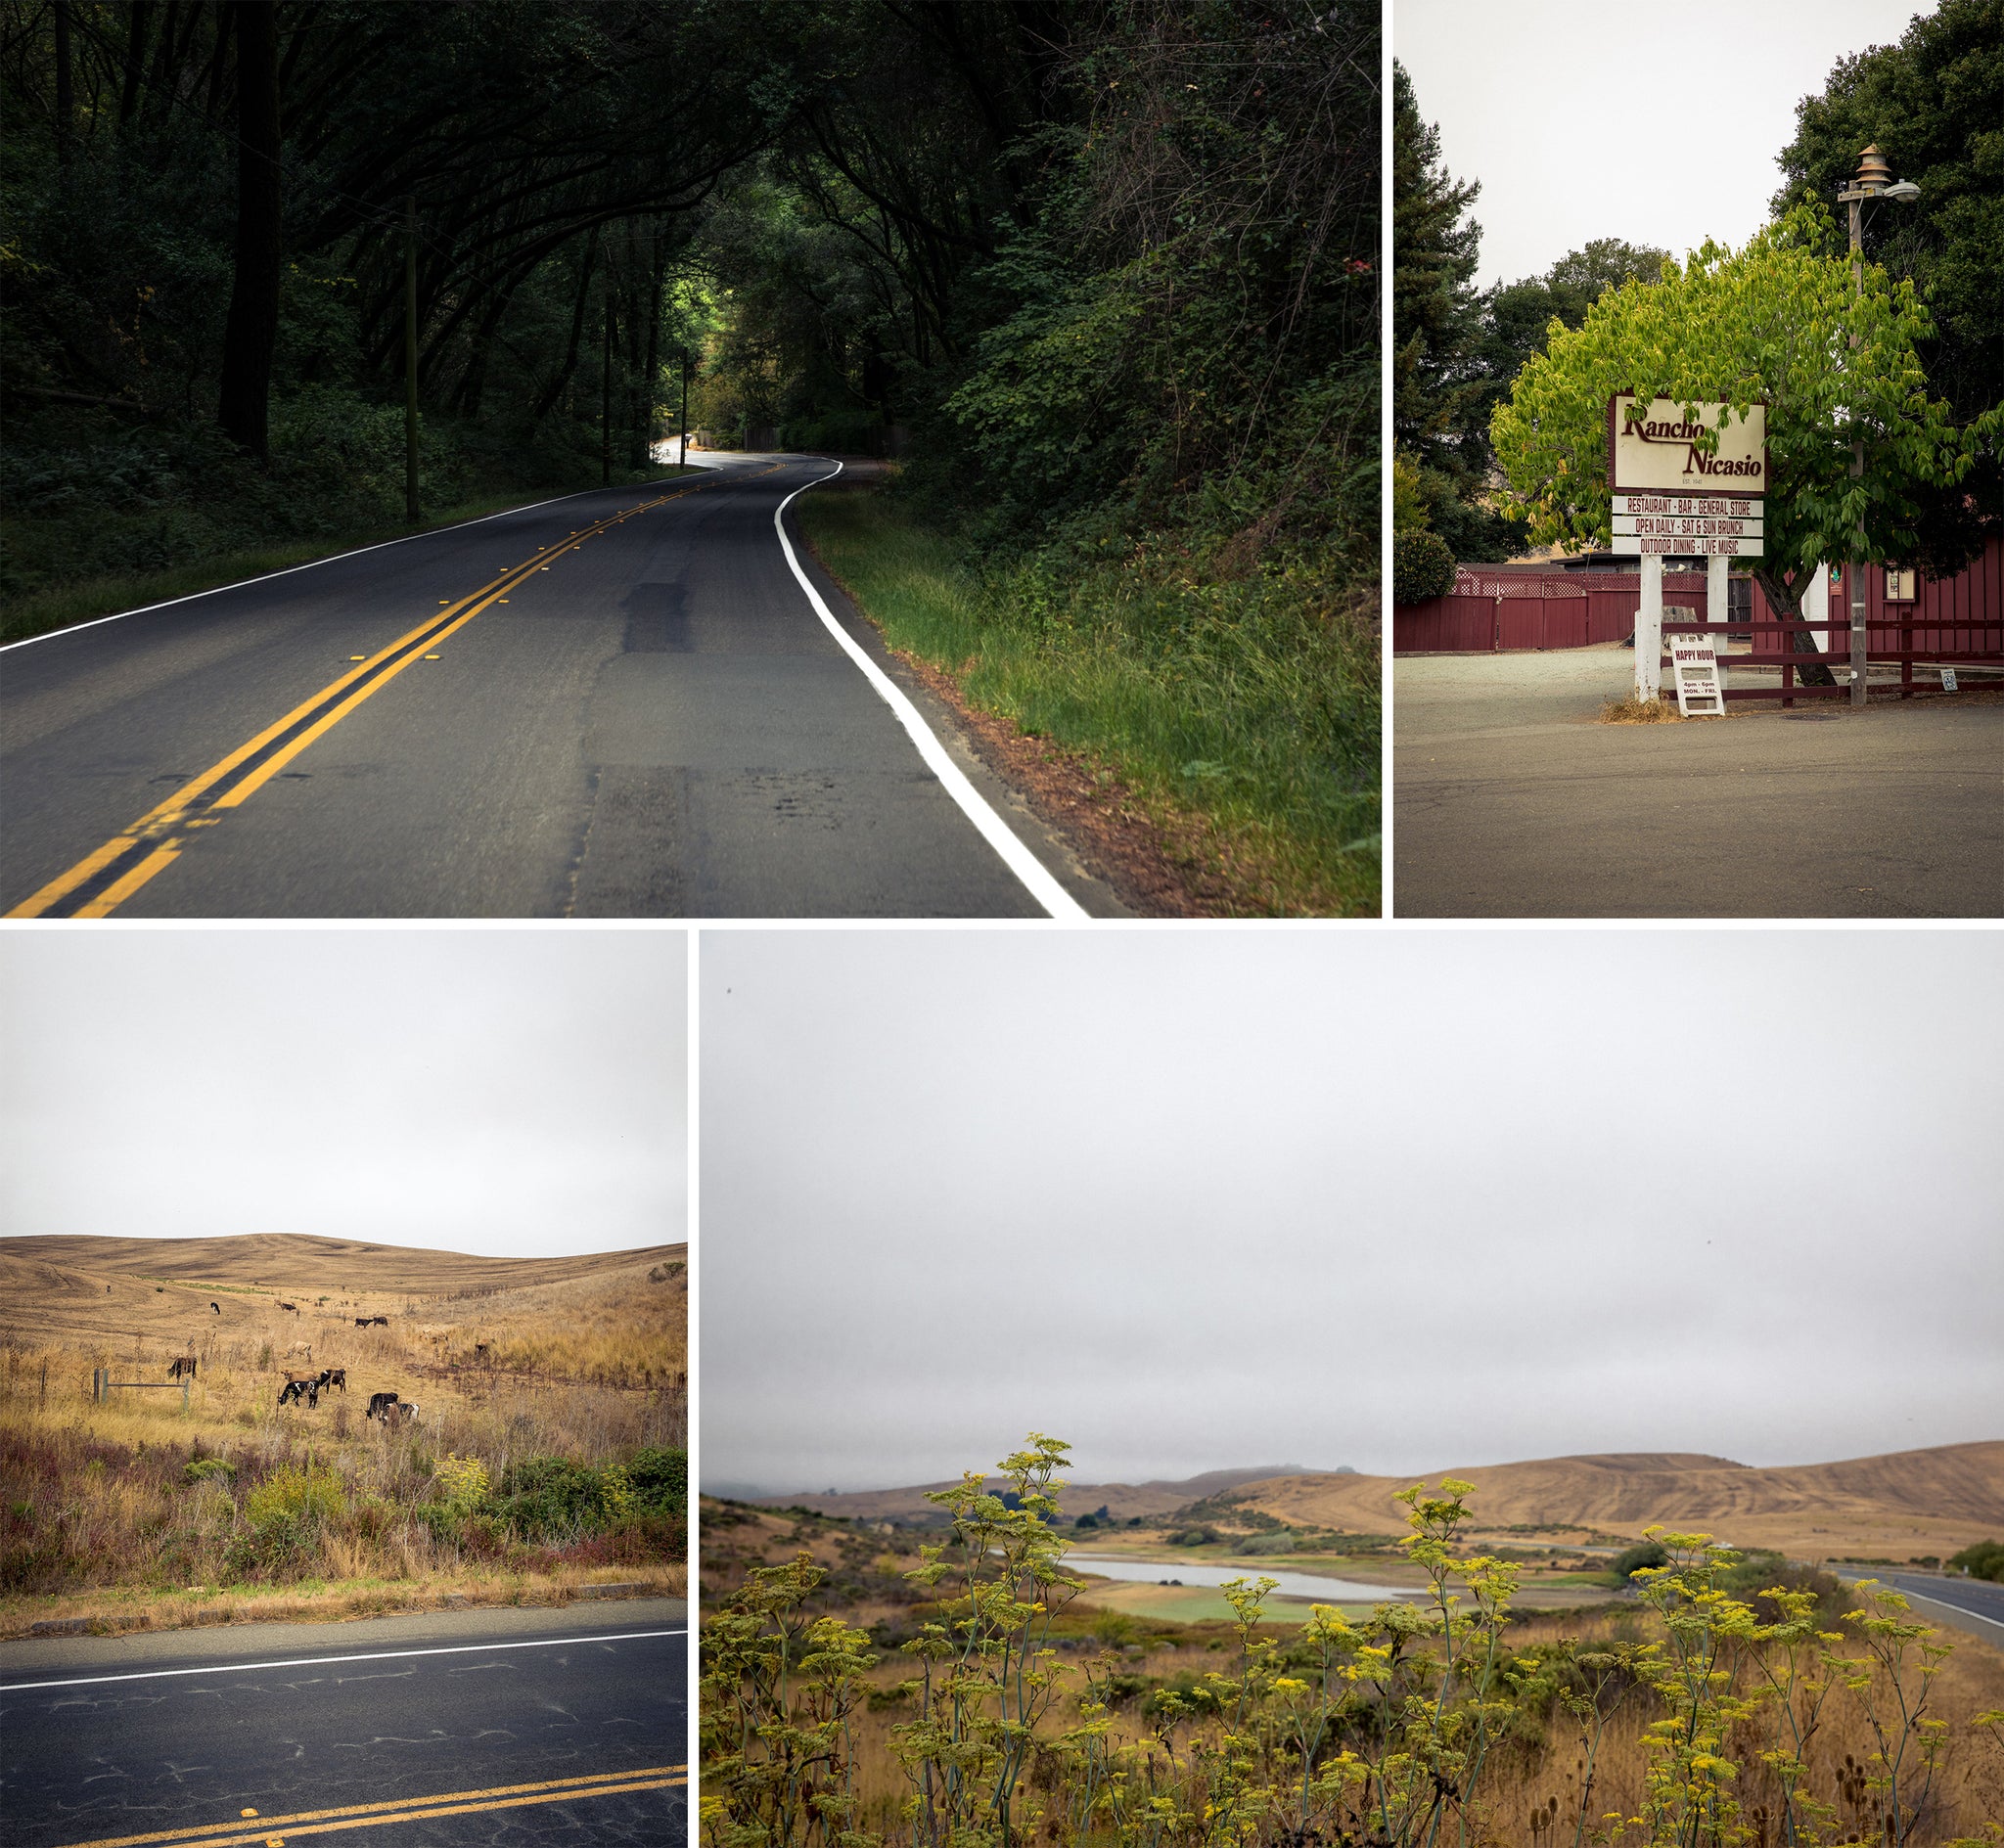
(1657,448)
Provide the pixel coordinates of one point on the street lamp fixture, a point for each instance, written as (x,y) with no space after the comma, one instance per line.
(1874,180)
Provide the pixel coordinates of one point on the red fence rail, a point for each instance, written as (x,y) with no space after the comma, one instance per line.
(1949,621)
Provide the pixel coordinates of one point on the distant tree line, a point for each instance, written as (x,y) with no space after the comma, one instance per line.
(1928,103)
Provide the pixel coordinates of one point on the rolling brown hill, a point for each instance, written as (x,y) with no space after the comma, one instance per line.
(591,1315)
(1909,1503)
(1121,1499)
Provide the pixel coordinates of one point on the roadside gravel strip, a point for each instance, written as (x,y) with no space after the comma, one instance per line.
(460,1727)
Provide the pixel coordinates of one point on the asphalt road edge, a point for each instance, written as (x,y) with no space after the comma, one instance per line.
(1053,850)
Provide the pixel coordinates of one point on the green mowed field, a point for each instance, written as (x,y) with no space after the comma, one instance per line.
(1195,1604)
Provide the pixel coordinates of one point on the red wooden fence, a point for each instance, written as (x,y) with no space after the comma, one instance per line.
(1957,619)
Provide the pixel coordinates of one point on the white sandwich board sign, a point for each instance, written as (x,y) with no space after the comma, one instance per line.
(1694,661)
(1654,448)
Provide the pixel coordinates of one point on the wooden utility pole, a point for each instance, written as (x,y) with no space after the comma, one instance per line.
(410,358)
(606,395)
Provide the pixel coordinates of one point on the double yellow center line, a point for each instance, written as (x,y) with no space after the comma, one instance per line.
(103,881)
(253,1831)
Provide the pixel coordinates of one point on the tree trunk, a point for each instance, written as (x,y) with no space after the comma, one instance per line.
(135,61)
(252,331)
(651,377)
(1786,600)
(548,401)
(65,92)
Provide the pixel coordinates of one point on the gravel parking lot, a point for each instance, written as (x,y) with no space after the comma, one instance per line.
(1510,800)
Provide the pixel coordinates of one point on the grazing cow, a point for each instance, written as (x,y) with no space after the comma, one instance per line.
(335,1376)
(218,1307)
(292,1306)
(300,1347)
(379,1321)
(400,1414)
(380,1404)
(181,1364)
(361,1322)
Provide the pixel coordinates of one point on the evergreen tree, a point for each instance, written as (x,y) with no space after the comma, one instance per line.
(1441,392)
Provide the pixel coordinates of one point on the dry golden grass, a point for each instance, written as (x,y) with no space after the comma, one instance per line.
(1629,710)
(583,1359)
(1533,1764)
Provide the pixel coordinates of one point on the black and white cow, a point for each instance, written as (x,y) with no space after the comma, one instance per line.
(380,1404)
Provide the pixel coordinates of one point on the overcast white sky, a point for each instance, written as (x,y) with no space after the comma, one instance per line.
(1659,124)
(511,1092)
(1398,1201)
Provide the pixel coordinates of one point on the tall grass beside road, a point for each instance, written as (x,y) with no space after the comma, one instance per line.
(1239,706)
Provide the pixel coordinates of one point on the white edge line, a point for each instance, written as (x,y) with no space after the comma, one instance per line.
(333,558)
(324,1661)
(1018,859)
(1941,1603)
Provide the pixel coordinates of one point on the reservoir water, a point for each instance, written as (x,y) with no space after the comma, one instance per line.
(1311,1586)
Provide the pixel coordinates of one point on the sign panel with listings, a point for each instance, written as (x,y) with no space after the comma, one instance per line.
(1676,526)
(1695,660)
(1655,448)
(1687,506)
(1660,545)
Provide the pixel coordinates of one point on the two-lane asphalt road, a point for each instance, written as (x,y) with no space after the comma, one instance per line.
(617,704)
(468,1727)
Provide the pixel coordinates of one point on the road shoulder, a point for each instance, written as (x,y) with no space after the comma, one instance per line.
(48,1658)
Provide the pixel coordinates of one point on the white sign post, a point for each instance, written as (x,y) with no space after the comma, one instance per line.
(1649,631)
(1685,483)
(1694,662)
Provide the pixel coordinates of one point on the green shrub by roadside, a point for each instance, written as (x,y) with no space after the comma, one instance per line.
(1422,567)
(1244,699)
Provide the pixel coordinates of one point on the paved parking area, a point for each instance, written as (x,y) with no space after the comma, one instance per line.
(1510,800)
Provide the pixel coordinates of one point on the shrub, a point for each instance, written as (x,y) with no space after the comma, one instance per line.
(1422,567)
(285,1514)
(1644,1556)
(1192,1537)
(550,1497)
(1984,1560)
(1269,1543)
(461,1481)
(204,1468)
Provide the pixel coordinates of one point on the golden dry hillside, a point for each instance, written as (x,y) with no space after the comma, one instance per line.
(606,1319)
(1910,1503)
(558,1378)
(1121,1499)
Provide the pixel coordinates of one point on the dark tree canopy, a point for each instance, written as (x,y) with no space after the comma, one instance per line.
(1931,104)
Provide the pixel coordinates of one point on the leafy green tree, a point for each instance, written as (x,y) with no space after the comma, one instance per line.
(1777,320)
(1518,315)
(1931,104)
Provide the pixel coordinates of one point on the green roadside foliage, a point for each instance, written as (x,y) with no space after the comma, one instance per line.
(1244,702)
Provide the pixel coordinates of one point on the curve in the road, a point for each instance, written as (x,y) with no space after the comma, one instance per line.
(676,724)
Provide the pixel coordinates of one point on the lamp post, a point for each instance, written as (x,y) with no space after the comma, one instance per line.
(1874,180)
